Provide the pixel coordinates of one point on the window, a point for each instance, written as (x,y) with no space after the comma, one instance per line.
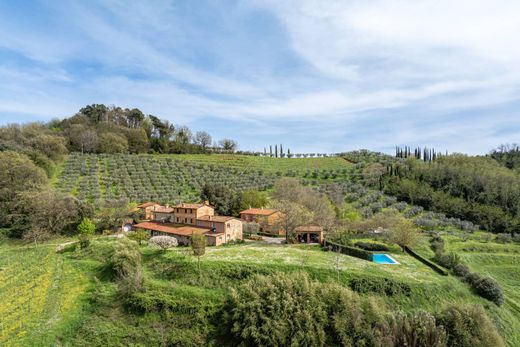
(191,220)
(178,219)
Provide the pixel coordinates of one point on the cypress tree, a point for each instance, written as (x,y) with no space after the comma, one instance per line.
(288,152)
(276,151)
(281,151)
(270,151)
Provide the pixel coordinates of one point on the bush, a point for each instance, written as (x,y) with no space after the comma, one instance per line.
(125,264)
(488,288)
(413,329)
(461,270)
(448,261)
(139,236)
(291,310)
(163,242)
(371,246)
(503,238)
(385,286)
(469,326)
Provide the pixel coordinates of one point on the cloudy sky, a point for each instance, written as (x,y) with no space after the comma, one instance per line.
(321,76)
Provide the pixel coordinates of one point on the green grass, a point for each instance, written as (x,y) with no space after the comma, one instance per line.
(40,293)
(499,261)
(74,309)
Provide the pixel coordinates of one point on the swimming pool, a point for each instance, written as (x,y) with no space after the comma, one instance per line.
(384,259)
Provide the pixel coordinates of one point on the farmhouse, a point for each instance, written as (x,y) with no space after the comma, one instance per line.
(147,209)
(183,220)
(265,217)
(163,214)
(188,213)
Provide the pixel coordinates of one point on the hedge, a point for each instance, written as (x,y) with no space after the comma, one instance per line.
(427,262)
(352,251)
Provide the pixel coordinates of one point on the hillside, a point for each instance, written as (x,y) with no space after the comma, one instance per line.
(68,289)
(171,178)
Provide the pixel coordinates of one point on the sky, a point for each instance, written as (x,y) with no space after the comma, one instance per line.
(317,76)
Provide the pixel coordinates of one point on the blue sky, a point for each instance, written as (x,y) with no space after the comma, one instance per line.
(317,76)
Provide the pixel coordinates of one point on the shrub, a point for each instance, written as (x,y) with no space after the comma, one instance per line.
(125,264)
(371,246)
(163,242)
(461,270)
(385,286)
(469,326)
(413,329)
(291,310)
(503,238)
(488,288)
(448,261)
(139,236)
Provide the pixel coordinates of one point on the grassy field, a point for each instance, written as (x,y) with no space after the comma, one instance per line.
(53,297)
(40,293)
(501,262)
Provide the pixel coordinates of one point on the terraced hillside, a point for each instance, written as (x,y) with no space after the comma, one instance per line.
(170,178)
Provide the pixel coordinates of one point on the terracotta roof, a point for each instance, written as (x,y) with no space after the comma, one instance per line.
(183,205)
(170,229)
(163,209)
(147,204)
(217,219)
(309,228)
(259,211)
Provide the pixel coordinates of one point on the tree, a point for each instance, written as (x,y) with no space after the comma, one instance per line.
(225,200)
(292,216)
(137,140)
(373,174)
(88,140)
(112,214)
(112,143)
(228,145)
(251,228)
(85,230)
(404,234)
(252,198)
(203,139)
(163,242)
(198,246)
(47,211)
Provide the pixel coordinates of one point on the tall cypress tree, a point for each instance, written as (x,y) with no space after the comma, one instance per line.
(281,151)
(288,152)
(276,151)
(270,151)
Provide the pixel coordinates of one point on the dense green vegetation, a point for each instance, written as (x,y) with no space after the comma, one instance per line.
(142,295)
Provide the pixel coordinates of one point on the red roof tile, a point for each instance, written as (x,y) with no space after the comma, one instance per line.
(259,211)
(171,229)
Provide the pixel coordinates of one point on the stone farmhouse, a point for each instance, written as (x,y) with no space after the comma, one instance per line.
(183,220)
(265,217)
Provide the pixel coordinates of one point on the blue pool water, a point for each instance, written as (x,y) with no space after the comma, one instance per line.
(383,259)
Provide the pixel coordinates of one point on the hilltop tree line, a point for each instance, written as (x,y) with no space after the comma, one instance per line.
(425,154)
(99,128)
